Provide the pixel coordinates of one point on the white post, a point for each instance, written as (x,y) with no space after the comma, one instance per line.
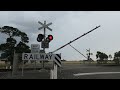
(55,71)
(51,74)
(10,67)
(52,71)
(6,67)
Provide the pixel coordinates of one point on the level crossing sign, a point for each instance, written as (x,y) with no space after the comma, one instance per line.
(43,56)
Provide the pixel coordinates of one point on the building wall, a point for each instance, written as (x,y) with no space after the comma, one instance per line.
(2,62)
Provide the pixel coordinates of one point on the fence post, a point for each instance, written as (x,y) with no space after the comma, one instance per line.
(15,64)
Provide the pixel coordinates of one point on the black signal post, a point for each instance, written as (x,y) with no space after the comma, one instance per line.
(44,26)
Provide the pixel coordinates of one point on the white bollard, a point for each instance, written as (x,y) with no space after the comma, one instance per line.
(10,67)
(51,74)
(55,71)
(6,67)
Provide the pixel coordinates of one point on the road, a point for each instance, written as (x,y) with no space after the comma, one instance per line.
(89,72)
(73,71)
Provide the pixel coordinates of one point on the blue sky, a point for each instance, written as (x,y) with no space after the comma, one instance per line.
(68,25)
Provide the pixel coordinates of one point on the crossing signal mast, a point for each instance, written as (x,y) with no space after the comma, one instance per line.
(42,38)
(89,54)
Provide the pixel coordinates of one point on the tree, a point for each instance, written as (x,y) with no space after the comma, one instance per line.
(11,44)
(102,57)
(117,57)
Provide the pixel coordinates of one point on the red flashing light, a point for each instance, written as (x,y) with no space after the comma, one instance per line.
(50,37)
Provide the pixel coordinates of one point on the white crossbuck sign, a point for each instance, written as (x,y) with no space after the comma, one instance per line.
(44,25)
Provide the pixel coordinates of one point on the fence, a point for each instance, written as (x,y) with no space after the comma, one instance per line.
(25,70)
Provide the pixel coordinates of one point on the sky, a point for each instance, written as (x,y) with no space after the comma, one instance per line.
(66,26)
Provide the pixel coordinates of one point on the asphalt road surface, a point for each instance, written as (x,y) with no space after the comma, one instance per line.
(71,71)
(76,71)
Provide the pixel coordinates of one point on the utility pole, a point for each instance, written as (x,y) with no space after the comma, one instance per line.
(88,55)
(44,41)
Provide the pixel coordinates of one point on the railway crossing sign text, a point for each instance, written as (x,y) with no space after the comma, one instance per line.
(37,56)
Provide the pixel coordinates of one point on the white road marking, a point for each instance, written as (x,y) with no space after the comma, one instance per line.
(95,73)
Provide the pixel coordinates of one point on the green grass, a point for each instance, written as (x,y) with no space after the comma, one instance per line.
(82,62)
(2,66)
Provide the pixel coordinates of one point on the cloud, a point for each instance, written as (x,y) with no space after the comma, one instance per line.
(68,25)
